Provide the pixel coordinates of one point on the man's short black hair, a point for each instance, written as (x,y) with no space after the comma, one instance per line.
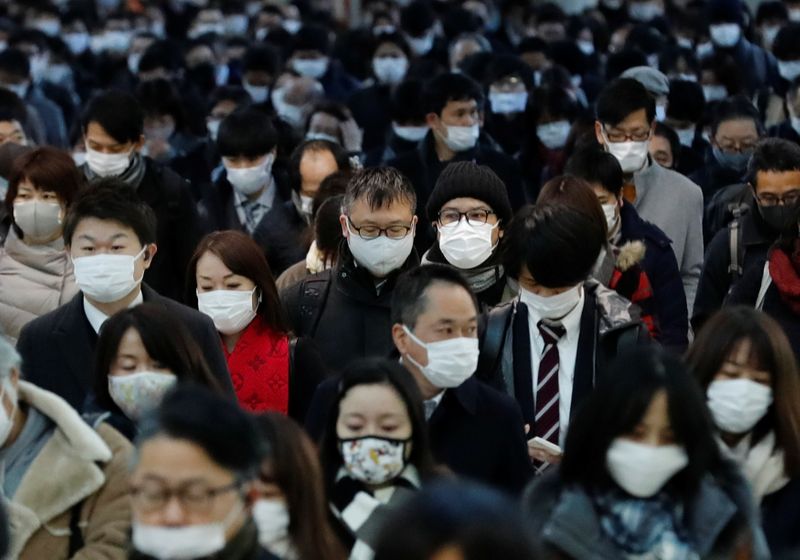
(618,62)
(786,46)
(119,114)
(671,136)
(417,18)
(111,199)
(246,132)
(379,187)
(15,63)
(736,108)
(261,58)
(558,244)
(405,105)
(596,166)
(622,97)
(165,53)
(409,299)
(235,94)
(311,38)
(685,101)
(12,108)
(773,154)
(338,153)
(444,88)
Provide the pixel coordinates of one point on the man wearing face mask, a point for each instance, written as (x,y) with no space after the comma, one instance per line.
(44,444)
(625,123)
(310,57)
(408,125)
(113,126)
(549,348)
(379,224)
(773,185)
(110,236)
(508,82)
(260,67)
(281,233)
(453,103)
(685,111)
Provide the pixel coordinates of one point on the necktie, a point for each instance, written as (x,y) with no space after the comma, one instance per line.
(254,212)
(547,406)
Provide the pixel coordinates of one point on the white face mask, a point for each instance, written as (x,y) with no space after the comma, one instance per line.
(738,404)
(380,255)
(715,92)
(642,470)
(77,42)
(552,307)
(508,103)
(661,113)
(231,310)
(554,135)
(292,26)
(38,219)
(390,69)
(461,138)
(106,278)
(644,11)
(258,94)
(107,165)
(586,47)
(311,67)
(725,34)
(249,180)
(768,34)
(789,69)
(139,392)
(292,114)
(182,543)
(6,419)
(685,136)
(450,362)
(610,211)
(410,133)
(272,519)
(631,155)
(373,459)
(421,46)
(466,246)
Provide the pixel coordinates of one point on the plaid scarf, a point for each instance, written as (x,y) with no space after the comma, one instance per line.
(649,528)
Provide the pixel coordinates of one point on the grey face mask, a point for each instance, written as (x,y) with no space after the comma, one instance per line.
(735,162)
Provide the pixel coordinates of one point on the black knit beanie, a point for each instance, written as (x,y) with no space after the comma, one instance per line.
(465,179)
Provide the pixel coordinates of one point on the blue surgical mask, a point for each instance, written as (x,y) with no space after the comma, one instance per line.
(733,161)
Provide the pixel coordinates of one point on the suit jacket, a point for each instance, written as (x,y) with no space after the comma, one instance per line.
(477,431)
(58,348)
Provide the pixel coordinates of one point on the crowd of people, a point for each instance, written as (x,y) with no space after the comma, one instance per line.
(400,279)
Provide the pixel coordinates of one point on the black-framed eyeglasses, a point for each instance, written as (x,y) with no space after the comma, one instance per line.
(621,136)
(474,217)
(373,232)
(195,497)
(791,198)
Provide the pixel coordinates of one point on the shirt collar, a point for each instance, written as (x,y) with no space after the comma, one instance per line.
(266,198)
(97,318)
(571,321)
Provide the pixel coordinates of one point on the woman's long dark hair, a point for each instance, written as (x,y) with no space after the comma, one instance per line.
(379,371)
(772,352)
(619,403)
(294,466)
(166,340)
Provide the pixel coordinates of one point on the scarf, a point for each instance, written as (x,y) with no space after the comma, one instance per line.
(784,268)
(132,176)
(259,368)
(479,279)
(644,528)
(762,464)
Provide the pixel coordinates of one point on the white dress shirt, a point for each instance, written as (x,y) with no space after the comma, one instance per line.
(97,317)
(567,355)
(432,404)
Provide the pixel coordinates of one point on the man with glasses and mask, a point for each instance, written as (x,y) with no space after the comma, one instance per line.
(773,184)
(346,309)
(625,123)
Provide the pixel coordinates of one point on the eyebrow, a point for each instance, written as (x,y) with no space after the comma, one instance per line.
(114,237)
(224,277)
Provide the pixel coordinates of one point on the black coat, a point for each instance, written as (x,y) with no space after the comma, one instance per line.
(780,514)
(712,177)
(784,130)
(343,312)
(178,230)
(281,234)
(476,431)
(370,107)
(58,348)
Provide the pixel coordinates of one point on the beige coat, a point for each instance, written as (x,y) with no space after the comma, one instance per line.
(34,280)
(78,465)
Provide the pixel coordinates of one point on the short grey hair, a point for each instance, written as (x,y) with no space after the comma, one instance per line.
(481,41)
(379,187)
(9,358)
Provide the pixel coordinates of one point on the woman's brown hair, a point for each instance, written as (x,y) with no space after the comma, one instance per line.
(771,350)
(243,257)
(294,467)
(47,169)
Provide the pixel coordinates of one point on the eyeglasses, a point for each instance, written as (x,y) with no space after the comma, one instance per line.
(740,146)
(373,232)
(194,497)
(622,136)
(790,198)
(474,217)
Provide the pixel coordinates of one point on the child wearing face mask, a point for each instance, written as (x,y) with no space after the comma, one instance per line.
(744,362)
(641,476)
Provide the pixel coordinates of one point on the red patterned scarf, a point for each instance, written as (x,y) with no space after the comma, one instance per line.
(259,368)
(784,268)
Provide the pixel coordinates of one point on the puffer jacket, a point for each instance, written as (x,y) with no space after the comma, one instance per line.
(34,280)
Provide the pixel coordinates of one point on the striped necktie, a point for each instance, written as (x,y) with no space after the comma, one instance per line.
(547,406)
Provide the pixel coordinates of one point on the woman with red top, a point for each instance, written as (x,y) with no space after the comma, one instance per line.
(230,281)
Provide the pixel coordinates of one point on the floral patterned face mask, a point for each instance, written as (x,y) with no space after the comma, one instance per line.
(138,392)
(372,459)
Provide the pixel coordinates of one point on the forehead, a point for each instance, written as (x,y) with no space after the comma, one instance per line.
(463,105)
(131,343)
(399,211)
(101,230)
(778,180)
(659,143)
(320,160)
(176,460)
(464,204)
(445,300)
(372,401)
(96,133)
(636,119)
(737,127)
(210,264)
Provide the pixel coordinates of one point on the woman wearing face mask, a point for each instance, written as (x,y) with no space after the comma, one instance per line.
(291,511)
(744,362)
(641,475)
(141,354)
(469,209)
(374,449)
(230,281)
(35,272)
(192,481)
